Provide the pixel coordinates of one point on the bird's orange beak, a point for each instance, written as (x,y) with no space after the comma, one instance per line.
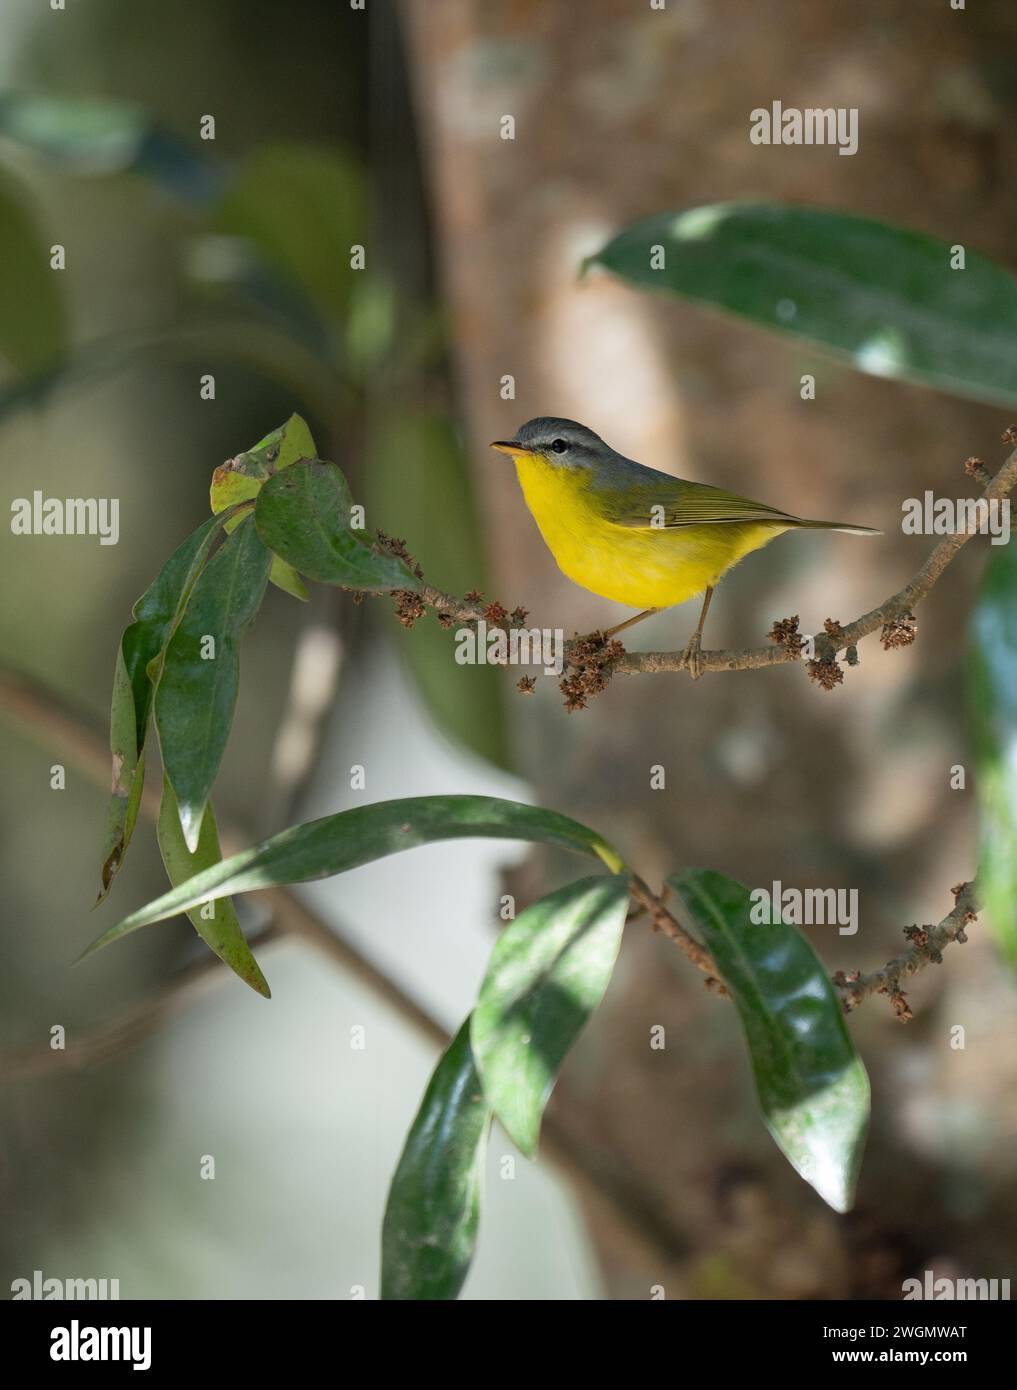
(510,446)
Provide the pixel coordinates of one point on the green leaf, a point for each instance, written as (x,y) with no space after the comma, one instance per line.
(885,297)
(303,208)
(320,848)
(304,516)
(97,138)
(158,612)
(295,443)
(812,1087)
(233,482)
(548,973)
(433,1208)
(221,931)
(128,779)
(141,648)
(240,479)
(91,137)
(33,327)
(195,697)
(993,702)
(418,479)
(285,577)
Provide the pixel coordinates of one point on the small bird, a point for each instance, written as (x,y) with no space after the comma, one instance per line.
(632,534)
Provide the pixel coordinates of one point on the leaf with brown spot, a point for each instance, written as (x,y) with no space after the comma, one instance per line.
(240,479)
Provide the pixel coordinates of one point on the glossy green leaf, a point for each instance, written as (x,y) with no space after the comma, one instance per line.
(33,328)
(418,481)
(197,692)
(433,1209)
(240,479)
(304,516)
(548,973)
(138,664)
(812,1087)
(320,848)
(993,701)
(885,297)
(220,930)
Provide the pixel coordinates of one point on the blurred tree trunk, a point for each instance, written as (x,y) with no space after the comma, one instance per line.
(619,111)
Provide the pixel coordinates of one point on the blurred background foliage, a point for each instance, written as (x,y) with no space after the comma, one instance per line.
(232,257)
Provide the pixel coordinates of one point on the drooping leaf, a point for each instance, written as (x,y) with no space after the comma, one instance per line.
(138,666)
(548,973)
(885,297)
(433,1209)
(128,782)
(221,930)
(418,479)
(241,478)
(320,848)
(304,516)
(158,612)
(812,1087)
(33,327)
(993,702)
(197,692)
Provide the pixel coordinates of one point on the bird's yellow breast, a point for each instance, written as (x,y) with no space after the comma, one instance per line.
(642,567)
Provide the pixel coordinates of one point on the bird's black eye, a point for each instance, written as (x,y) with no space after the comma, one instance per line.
(558,446)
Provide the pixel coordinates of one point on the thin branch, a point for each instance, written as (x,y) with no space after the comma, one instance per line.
(591,1170)
(51,721)
(663,920)
(140,1021)
(927,946)
(893,617)
(897,606)
(318,660)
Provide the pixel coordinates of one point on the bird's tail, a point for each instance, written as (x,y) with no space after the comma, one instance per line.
(840,526)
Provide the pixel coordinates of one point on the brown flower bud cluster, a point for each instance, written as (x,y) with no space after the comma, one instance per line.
(588,669)
(785,634)
(899,632)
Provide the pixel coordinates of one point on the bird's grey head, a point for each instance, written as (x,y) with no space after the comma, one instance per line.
(562,443)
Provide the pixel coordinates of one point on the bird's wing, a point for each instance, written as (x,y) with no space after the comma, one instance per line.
(673,502)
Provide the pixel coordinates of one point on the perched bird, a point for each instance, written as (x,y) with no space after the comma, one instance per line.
(631,534)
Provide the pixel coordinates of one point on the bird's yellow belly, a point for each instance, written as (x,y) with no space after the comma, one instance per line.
(639,567)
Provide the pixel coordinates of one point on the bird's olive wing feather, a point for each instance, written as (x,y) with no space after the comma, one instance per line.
(673,502)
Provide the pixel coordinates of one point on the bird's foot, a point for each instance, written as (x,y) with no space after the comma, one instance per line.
(692,656)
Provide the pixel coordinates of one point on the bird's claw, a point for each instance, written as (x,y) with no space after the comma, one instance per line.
(692,656)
